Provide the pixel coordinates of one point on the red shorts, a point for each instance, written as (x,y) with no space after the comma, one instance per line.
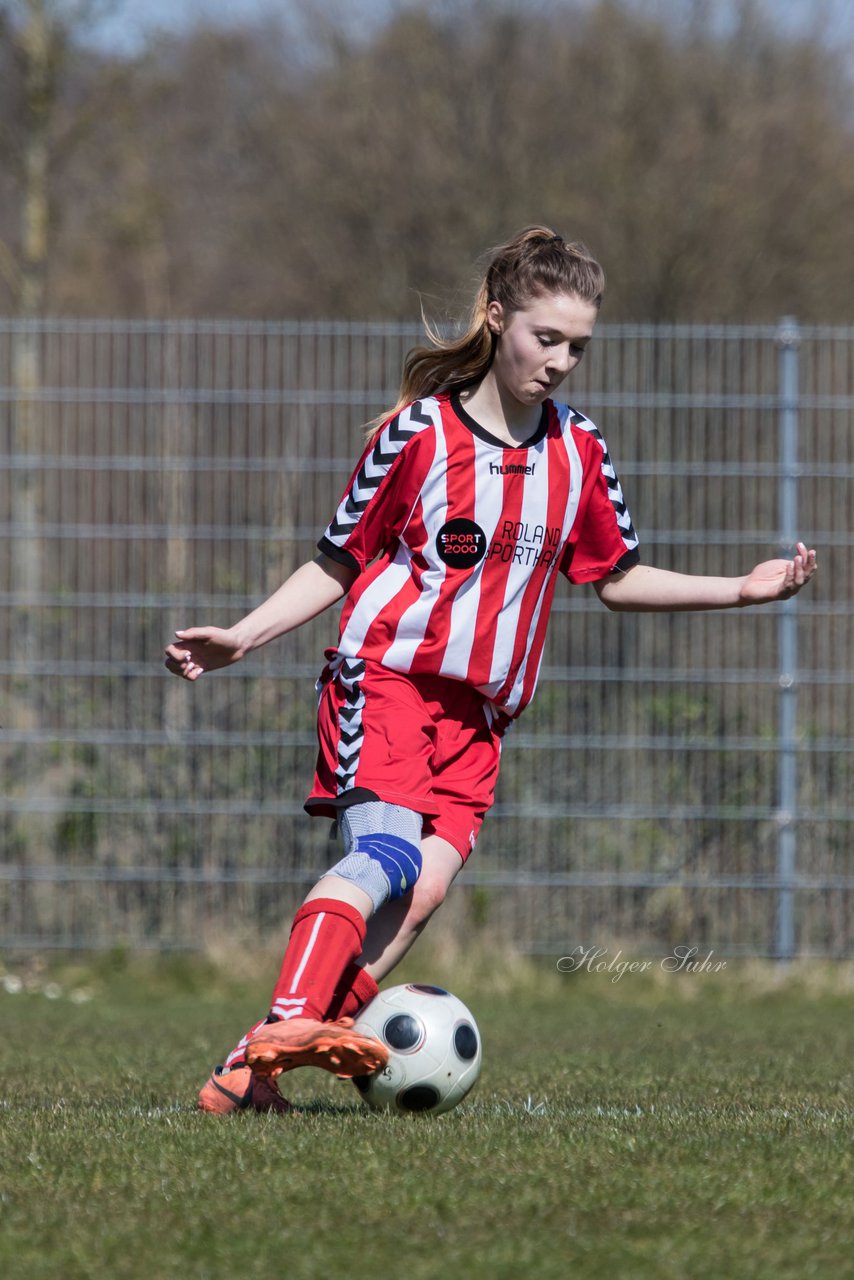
(421,741)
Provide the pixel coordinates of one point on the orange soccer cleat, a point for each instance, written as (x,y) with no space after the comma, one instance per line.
(305,1042)
(240,1090)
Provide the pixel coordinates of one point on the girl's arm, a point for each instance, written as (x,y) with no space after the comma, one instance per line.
(647,589)
(306,593)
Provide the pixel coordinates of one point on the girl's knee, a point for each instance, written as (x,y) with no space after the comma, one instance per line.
(427,896)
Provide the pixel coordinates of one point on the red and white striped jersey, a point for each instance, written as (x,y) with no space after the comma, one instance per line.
(458,540)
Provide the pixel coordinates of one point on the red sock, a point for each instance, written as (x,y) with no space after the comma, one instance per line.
(237,1057)
(356,989)
(326,937)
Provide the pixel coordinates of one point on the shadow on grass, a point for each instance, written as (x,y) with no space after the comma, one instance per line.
(323,1107)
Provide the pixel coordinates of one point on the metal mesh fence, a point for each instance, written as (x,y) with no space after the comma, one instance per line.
(678,778)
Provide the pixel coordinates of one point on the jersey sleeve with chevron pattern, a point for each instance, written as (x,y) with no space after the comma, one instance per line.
(379,496)
(588,555)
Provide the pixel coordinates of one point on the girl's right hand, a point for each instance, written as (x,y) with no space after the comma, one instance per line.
(200,649)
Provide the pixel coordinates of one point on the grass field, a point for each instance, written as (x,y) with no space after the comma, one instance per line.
(688,1126)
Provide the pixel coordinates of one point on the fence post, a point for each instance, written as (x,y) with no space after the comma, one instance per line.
(788,340)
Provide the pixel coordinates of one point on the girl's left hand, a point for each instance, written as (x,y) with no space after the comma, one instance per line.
(778,579)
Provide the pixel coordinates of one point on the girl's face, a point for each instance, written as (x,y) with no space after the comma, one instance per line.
(539,346)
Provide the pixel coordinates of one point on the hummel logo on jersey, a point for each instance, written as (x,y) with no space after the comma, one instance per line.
(511,469)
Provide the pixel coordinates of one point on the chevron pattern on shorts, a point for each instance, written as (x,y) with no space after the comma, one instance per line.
(351,733)
(389,443)
(615,491)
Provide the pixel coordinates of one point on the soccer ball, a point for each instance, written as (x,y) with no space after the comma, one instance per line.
(434,1048)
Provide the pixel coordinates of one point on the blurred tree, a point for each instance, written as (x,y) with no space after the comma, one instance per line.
(315,165)
(37,45)
(52,91)
(43,117)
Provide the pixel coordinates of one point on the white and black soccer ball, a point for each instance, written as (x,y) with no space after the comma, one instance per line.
(434,1050)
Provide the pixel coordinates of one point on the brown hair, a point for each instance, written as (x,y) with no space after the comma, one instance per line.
(535,261)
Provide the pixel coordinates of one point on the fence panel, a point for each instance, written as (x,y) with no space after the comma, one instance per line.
(679,778)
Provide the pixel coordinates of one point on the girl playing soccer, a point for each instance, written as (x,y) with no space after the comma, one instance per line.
(473,496)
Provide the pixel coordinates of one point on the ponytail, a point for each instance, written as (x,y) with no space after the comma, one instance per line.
(536,261)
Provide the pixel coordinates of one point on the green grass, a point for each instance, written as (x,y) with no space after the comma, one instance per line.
(694,1126)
